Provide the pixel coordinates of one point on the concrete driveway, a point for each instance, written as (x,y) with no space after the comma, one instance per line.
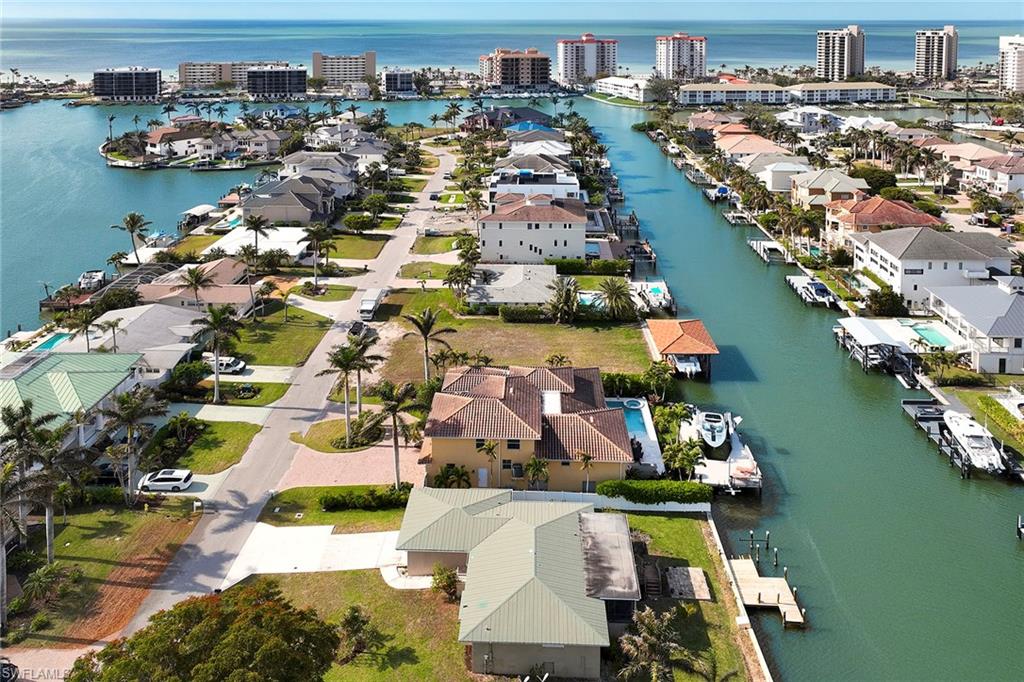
(218,413)
(263,374)
(311,549)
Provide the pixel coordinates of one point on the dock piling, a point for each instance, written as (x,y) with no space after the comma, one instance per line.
(775,557)
(767,539)
(785,572)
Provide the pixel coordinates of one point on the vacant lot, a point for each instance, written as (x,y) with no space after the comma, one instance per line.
(307,502)
(272,341)
(424,270)
(357,246)
(431,245)
(195,243)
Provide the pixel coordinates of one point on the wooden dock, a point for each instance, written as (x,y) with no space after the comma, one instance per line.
(762,591)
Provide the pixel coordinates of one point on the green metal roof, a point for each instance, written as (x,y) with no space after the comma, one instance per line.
(444,520)
(62,383)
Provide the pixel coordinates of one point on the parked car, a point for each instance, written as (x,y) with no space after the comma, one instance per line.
(434,196)
(228,364)
(447,176)
(168,480)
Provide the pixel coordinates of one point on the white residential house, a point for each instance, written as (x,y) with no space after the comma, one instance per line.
(914,260)
(338,169)
(173,142)
(991,318)
(700,94)
(338,135)
(625,87)
(557,148)
(533,228)
(775,170)
(998,174)
(557,184)
(810,120)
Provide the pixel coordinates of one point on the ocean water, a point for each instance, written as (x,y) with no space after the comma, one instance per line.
(55,48)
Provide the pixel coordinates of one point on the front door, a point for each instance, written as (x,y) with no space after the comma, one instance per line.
(1002,365)
(481,477)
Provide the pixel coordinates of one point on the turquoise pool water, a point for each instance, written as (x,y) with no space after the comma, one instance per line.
(635,423)
(53,341)
(589,298)
(932,336)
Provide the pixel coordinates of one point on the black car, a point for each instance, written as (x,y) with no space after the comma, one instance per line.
(358,328)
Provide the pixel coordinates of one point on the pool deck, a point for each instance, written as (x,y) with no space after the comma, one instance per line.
(648,438)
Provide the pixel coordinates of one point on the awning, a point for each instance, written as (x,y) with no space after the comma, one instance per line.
(200,210)
(869,333)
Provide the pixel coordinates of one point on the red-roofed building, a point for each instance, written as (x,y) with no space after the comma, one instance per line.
(680,56)
(532,228)
(585,58)
(685,344)
(852,216)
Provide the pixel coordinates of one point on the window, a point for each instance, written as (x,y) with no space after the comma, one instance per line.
(512,444)
(929,265)
(480,443)
(1017,343)
(945,265)
(517,470)
(499,242)
(506,464)
(565,463)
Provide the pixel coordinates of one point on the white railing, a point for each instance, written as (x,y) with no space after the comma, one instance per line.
(603,502)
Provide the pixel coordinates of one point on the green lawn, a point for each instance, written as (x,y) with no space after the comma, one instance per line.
(195,242)
(334,292)
(307,271)
(120,553)
(451,199)
(336,397)
(268,393)
(679,541)
(592,282)
(358,246)
(306,501)
(389,222)
(424,270)
(420,627)
(320,435)
(429,160)
(408,134)
(431,245)
(272,341)
(414,184)
(612,347)
(614,100)
(221,445)
(969,397)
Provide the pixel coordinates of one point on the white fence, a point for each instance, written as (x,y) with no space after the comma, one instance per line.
(617,503)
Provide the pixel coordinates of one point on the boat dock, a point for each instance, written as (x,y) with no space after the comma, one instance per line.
(738,217)
(810,294)
(698,177)
(763,591)
(770,251)
(737,472)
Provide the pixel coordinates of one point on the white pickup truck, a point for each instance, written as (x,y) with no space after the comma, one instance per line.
(370,302)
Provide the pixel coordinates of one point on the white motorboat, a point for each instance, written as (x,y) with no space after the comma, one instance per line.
(90,280)
(975,441)
(818,293)
(713,427)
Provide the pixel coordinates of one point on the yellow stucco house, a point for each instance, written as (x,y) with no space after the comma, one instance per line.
(555,413)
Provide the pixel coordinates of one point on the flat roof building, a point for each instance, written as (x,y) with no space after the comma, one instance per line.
(516,70)
(127,84)
(585,58)
(935,53)
(208,74)
(276,81)
(339,70)
(680,56)
(840,53)
(1011,63)
(397,80)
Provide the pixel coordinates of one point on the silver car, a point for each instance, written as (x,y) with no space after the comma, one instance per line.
(167,480)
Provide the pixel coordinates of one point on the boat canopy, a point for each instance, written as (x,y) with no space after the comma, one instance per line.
(869,333)
(200,210)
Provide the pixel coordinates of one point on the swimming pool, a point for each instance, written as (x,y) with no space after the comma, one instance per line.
(53,341)
(593,249)
(590,298)
(635,423)
(932,336)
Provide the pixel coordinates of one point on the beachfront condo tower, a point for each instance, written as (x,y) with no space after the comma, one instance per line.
(585,59)
(840,53)
(515,70)
(1011,63)
(343,69)
(127,84)
(681,56)
(276,81)
(209,74)
(935,53)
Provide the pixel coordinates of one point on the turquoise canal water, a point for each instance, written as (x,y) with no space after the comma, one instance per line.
(906,571)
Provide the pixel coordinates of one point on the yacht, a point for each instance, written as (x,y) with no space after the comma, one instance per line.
(975,441)
(713,427)
(90,280)
(816,292)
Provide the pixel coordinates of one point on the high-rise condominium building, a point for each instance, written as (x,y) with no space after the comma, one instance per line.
(397,80)
(681,56)
(340,69)
(127,84)
(840,53)
(514,70)
(276,81)
(208,74)
(585,58)
(1011,63)
(935,53)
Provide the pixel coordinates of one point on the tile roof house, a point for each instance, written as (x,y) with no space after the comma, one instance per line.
(735,147)
(65,384)
(553,413)
(998,174)
(849,216)
(685,344)
(227,289)
(913,260)
(815,189)
(991,318)
(542,579)
(502,117)
(515,137)
(531,228)
(537,163)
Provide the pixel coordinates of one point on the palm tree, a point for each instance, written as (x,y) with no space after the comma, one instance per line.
(221,327)
(285,295)
(259,226)
(659,377)
(426,327)
(452,476)
(110,127)
(78,323)
(344,360)
(136,225)
(195,279)
(536,471)
(117,259)
(111,326)
(363,343)
(475,203)
(19,424)
(683,456)
(459,278)
(557,360)
(586,464)
(12,486)
(490,450)
(315,235)
(564,303)
(614,295)
(129,411)
(52,464)
(393,401)
(168,109)
(653,647)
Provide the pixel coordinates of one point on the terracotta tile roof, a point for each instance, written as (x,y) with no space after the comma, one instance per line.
(1011,164)
(540,208)
(682,337)
(600,433)
(879,211)
(731,129)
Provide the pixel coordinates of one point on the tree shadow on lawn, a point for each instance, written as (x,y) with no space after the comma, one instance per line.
(384,656)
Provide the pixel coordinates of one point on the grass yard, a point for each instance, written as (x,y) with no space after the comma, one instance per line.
(358,246)
(592,282)
(452,199)
(334,292)
(120,554)
(410,134)
(969,397)
(612,347)
(307,502)
(424,270)
(431,245)
(221,445)
(319,436)
(272,341)
(614,100)
(414,184)
(268,393)
(336,397)
(429,160)
(679,541)
(420,627)
(389,222)
(195,242)
(299,271)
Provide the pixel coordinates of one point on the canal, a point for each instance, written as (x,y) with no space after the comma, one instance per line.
(906,571)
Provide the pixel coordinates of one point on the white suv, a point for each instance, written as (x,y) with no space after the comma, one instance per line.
(170,480)
(228,364)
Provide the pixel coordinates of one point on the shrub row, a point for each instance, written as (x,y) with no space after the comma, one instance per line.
(370,499)
(625,385)
(525,313)
(954,376)
(656,492)
(1001,416)
(581,266)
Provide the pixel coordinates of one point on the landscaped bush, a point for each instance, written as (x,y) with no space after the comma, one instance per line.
(102,494)
(445,581)
(581,266)
(929,207)
(645,126)
(526,313)
(899,194)
(24,561)
(369,500)
(841,258)
(877,178)
(365,430)
(18,605)
(955,376)
(40,621)
(656,492)
(1001,416)
(625,385)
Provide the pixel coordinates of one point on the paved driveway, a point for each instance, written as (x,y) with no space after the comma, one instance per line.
(374,465)
(264,374)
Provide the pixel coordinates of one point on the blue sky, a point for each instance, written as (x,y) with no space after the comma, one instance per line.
(497,10)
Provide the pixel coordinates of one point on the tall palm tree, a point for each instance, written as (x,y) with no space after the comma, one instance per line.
(129,411)
(614,295)
(19,424)
(427,328)
(168,109)
(112,326)
(652,647)
(52,465)
(316,235)
(79,323)
(536,470)
(344,360)
(259,226)
(110,127)
(564,303)
(393,401)
(220,326)
(364,342)
(586,464)
(195,279)
(136,225)
(490,450)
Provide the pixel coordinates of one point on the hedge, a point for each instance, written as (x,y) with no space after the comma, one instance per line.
(656,492)
(525,313)
(955,376)
(581,266)
(1001,416)
(372,498)
(625,385)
